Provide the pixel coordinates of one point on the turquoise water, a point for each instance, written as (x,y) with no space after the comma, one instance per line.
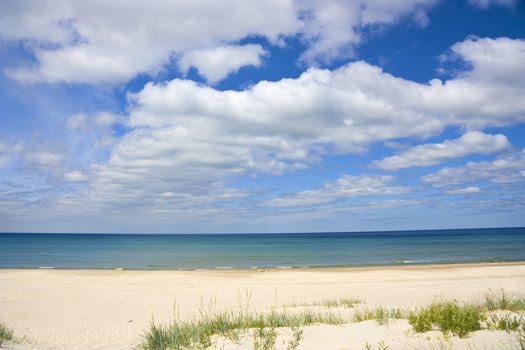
(215,251)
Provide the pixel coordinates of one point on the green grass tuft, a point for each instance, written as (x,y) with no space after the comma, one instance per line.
(448,317)
(297,335)
(501,301)
(507,323)
(380,346)
(264,338)
(6,334)
(380,314)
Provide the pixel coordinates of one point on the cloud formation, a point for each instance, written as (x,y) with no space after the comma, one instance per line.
(507,169)
(93,41)
(216,63)
(187,142)
(332,29)
(472,142)
(173,151)
(345,187)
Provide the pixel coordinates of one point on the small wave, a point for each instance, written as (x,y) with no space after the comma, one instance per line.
(284,267)
(415,261)
(223,267)
(46,267)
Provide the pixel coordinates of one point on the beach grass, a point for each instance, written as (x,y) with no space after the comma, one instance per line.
(380,314)
(462,319)
(380,346)
(341,302)
(297,335)
(507,323)
(198,333)
(501,301)
(264,338)
(497,312)
(348,302)
(6,334)
(448,316)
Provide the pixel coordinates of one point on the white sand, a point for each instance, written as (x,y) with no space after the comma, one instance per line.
(72,309)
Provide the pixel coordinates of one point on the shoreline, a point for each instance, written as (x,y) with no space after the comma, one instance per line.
(341,268)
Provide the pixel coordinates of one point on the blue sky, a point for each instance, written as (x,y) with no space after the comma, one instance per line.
(261,116)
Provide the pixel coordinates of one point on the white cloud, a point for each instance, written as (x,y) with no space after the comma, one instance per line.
(111,41)
(45,158)
(487,94)
(343,188)
(75,176)
(186,143)
(193,141)
(84,121)
(333,28)
(504,170)
(466,190)
(483,4)
(77,121)
(96,41)
(392,203)
(472,142)
(216,63)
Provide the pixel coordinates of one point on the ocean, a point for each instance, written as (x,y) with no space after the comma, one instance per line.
(245,251)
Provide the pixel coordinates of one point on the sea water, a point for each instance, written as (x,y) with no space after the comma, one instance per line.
(291,250)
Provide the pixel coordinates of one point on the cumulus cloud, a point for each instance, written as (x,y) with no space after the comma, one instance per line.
(186,143)
(111,41)
(343,188)
(333,28)
(94,41)
(497,72)
(472,142)
(192,141)
(504,170)
(216,63)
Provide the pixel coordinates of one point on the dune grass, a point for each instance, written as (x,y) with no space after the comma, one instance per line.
(462,319)
(342,302)
(297,335)
(380,346)
(6,334)
(330,303)
(501,301)
(380,314)
(507,323)
(197,333)
(264,338)
(448,317)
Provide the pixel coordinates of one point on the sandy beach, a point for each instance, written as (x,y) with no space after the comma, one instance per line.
(111,309)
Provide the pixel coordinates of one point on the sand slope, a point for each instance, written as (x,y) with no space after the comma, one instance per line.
(72,309)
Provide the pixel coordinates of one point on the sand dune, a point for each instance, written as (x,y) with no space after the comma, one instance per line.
(88,309)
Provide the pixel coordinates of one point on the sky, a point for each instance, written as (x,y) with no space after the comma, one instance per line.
(239,116)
